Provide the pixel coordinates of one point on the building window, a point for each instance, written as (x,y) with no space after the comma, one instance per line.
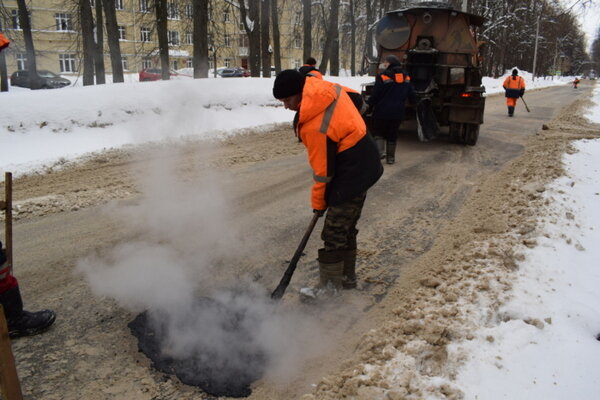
(296,64)
(189,11)
(189,63)
(297,42)
(172,10)
(67,63)
(145,34)
(175,65)
(227,40)
(210,12)
(21,61)
(146,62)
(93,3)
(189,38)
(211,64)
(226,16)
(227,62)
(119,4)
(144,6)
(124,64)
(242,28)
(63,22)
(15,19)
(121,29)
(173,37)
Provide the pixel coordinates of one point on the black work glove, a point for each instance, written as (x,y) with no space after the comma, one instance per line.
(320,213)
(522,92)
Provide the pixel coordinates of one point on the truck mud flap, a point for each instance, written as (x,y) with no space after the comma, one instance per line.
(427,125)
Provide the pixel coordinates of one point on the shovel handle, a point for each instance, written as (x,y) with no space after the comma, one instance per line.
(287,275)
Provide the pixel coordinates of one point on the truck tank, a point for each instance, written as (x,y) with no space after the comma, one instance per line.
(438,48)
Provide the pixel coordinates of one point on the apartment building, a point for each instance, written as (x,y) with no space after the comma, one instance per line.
(57,39)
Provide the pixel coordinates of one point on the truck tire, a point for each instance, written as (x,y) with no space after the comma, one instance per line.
(462,133)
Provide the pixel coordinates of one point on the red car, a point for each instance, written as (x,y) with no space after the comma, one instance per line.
(153,74)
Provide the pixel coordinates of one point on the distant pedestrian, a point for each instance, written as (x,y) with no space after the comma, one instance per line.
(19,321)
(345,165)
(391,91)
(514,87)
(310,67)
(576,82)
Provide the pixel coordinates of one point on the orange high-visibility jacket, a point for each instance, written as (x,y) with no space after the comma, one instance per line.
(513,87)
(344,162)
(4,42)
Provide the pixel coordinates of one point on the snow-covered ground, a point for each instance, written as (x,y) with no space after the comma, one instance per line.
(558,282)
(38,128)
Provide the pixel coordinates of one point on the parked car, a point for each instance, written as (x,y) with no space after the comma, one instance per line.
(232,72)
(48,80)
(154,74)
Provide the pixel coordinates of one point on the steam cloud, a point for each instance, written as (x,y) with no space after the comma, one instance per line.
(187,236)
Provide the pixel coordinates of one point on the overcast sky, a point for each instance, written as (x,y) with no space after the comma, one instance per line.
(589,17)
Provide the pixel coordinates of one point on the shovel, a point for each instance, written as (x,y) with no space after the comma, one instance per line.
(527,108)
(287,276)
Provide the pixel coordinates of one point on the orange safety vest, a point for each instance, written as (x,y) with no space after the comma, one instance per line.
(4,42)
(398,78)
(315,72)
(510,83)
(326,111)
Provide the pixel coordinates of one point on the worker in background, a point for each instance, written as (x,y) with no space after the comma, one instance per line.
(310,67)
(576,82)
(4,42)
(20,322)
(392,89)
(345,165)
(514,87)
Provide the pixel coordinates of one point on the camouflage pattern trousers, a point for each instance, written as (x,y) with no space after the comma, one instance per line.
(339,230)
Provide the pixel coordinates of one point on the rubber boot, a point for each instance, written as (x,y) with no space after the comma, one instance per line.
(511,111)
(21,322)
(380,146)
(349,280)
(390,152)
(331,274)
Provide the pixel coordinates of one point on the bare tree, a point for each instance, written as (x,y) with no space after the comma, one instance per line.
(332,43)
(251,22)
(160,6)
(307,23)
(264,38)
(200,38)
(3,73)
(99,43)
(112,33)
(276,34)
(25,23)
(86,21)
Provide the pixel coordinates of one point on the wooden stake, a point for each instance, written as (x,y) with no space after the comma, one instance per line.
(10,386)
(8,218)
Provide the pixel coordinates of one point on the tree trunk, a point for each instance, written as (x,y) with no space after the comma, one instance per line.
(112,33)
(3,73)
(163,36)
(368,50)
(99,43)
(264,38)
(25,22)
(352,39)
(307,24)
(200,38)
(332,42)
(276,40)
(250,18)
(86,21)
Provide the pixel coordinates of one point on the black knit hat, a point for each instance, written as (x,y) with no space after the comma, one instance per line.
(515,71)
(392,59)
(288,83)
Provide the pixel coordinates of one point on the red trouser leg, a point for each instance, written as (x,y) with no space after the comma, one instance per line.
(511,102)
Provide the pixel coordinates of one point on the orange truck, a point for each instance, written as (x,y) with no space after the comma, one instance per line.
(439,49)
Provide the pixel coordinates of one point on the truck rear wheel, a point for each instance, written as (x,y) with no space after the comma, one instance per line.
(464,133)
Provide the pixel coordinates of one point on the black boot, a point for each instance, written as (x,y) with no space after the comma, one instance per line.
(21,322)
(390,157)
(511,111)
(380,146)
(349,279)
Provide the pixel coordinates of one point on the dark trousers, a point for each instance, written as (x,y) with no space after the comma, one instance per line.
(339,230)
(386,128)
